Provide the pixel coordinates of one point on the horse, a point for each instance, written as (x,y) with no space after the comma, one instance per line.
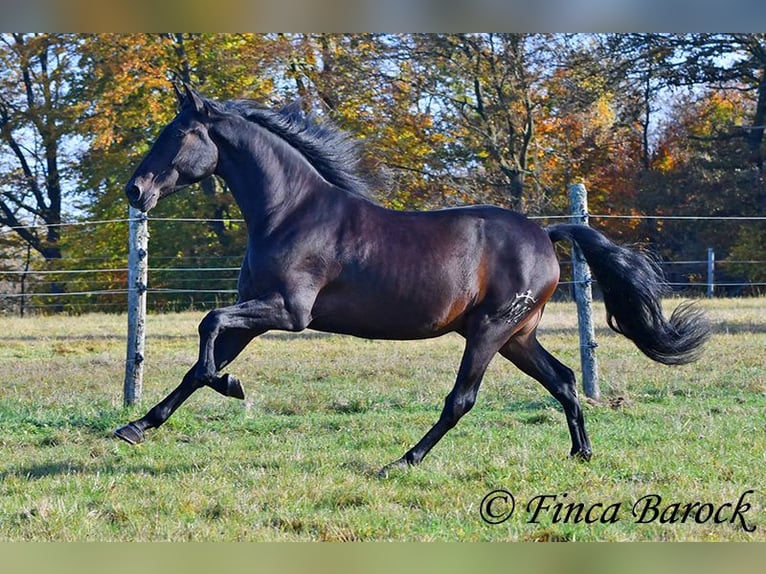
(323,255)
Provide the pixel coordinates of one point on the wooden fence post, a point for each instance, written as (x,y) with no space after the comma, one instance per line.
(578,203)
(138,266)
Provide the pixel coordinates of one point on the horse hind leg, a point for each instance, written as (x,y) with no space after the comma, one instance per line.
(228,346)
(527,354)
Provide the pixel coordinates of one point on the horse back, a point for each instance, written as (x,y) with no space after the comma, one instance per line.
(407,275)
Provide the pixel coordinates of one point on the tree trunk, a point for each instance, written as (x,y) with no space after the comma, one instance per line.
(755,134)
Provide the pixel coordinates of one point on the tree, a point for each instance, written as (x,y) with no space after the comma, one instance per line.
(487,88)
(697,172)
(733,63)
(651,123)
(131,97)
(727,62)
(39,145)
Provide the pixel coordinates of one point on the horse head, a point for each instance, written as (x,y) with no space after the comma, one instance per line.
(183,154)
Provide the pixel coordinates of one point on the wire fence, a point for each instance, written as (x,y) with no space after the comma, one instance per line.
(98,281)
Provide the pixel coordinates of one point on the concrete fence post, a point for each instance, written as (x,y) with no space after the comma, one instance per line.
(138,267)
(578,203)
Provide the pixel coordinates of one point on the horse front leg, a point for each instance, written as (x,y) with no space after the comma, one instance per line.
(224,333)
(226,350)
(254,316)
(133,432)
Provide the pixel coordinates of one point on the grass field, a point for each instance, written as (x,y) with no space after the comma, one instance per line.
(297,459)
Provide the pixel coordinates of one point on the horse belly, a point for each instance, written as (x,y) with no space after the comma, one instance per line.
(418,316)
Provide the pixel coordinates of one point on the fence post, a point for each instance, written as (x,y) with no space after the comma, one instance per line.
(578,204)
(710,272)
(138,266)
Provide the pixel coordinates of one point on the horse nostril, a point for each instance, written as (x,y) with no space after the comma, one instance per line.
(133,192)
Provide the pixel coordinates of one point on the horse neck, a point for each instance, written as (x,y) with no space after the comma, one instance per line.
(265,175)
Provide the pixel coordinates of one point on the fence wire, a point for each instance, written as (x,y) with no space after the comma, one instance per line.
(98,282)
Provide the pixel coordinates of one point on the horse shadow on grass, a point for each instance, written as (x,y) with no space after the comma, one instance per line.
(67,468)
(734,328)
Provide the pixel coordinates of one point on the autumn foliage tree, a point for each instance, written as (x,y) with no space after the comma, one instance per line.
(38,140)
(653,124)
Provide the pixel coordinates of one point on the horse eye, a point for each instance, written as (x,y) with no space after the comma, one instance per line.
(195,131)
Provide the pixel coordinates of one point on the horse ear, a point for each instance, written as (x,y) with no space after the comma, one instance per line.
(179,95)
(193,98)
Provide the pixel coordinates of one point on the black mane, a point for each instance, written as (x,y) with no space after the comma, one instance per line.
(332,151)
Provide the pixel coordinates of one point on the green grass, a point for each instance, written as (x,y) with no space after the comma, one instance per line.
(297,459)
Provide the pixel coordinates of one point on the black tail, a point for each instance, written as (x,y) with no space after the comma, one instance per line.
(632,286)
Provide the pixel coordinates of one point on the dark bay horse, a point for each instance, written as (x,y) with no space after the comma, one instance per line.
(321,255)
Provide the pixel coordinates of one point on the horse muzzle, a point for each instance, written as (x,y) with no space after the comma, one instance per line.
(140,198)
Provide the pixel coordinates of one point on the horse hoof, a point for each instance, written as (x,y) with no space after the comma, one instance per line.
(234,387)
(130,433)
(396,465)
(228,386)
(582,455)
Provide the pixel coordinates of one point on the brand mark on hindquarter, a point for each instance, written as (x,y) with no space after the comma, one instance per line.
(520,307)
